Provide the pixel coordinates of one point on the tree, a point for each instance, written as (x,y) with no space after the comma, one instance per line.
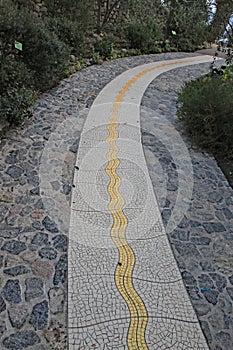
(186,23)
(108,11)
(142,11)
(80,11)
(221,22)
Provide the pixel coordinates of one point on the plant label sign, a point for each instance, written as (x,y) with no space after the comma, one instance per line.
(18,46)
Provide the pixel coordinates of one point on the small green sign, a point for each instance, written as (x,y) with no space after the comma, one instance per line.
(18,46)
(173,32)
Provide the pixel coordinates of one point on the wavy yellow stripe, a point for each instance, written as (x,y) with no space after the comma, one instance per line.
(124,270)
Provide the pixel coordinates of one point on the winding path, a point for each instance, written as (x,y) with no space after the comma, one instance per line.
(128,305)
(121,267)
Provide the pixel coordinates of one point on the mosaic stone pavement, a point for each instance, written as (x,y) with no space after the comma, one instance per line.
(125,290)
(37,161)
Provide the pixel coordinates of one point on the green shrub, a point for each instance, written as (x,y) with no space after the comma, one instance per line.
(14,74)
(14,105)
(44,55)
(69,32)
(145,37)
(16,92)
(24,3)
(80,11)
(189,40)
(205,106)
(104,46)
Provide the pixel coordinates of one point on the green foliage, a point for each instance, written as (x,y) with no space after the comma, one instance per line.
(16,92)
(222,19)
(188,20)
(40,64)
(145,37)
(24,3)
(79,11)
(144,11)
(69,32)
(130,27)
(15,103)
(14,74)
(205,106)
(104,46)
(43,53)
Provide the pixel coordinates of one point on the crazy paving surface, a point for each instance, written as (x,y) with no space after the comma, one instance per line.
(125,290)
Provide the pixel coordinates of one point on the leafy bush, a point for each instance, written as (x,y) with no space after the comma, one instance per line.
(16,92)
(40,64)
(43,53)
(80,11)
(205,106)
(144,37)
(24,3)
(14,74)
(14,105)
(104,46)
(187,40)
(69,32)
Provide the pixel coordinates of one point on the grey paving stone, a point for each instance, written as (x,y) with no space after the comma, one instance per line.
(231,279)
(12,291)
(230,292)
(211,296)
(7,231)
(60,275)
(40,239)
(34,288)
(188,279)
(186,249)
(21,340)
(205,281)
(211,227)
(15,171)
(50,225)
(66,189)
(56,300)
(2,327)
(47,253)
(214,197)
(60,243)
(18,315)
(14,247)
(219,280)
(16,270)
(180,234)
(39,315)
(1,260)
(2,305)
(201,308)
(201,240)
(224,338)
(35,191)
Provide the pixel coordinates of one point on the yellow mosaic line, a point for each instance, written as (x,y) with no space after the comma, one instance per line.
(124,270)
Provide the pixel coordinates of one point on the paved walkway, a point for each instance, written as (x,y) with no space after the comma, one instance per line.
(35,216)
(124,233)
